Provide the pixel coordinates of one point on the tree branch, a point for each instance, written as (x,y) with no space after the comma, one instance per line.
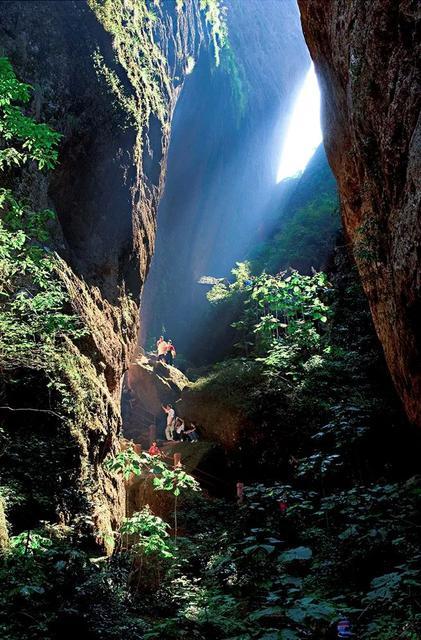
(53,413)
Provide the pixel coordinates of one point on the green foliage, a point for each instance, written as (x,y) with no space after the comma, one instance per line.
(140,51)
(306,239)
(150,531)
(129,462)
(56,590)
(175,481)
(323,416)
(283,315)
(29,542)
(367,241)
(214,12)
(238,81)
(308,222)
(32,299)
(164,477)
(215,16)
(131,24)
(23,139)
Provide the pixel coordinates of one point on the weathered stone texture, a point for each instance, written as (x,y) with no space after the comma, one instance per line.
(365,53)
(105,193)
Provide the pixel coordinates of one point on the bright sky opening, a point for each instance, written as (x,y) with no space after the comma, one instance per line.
(304,132)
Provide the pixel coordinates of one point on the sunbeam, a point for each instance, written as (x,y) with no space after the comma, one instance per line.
(304,131)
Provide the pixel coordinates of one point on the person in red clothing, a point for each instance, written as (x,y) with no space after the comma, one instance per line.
(170,353)
(154,450)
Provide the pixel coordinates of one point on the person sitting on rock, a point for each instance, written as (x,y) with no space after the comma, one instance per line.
(154,450)
(169,431)
(191,434)
(179,429)
(161,348)
(170,353)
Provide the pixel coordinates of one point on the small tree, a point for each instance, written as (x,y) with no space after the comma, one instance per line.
(164,478)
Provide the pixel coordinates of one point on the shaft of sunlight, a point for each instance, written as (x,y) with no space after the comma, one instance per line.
(304,132)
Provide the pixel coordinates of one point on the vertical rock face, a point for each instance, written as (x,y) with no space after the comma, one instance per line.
(365,53)
(223,160)
(105,192)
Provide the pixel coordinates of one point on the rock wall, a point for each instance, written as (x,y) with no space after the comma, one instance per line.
(105,190)
(149,384)
(222,166)
(365,54)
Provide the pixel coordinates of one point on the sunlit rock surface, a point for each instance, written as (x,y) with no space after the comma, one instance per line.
(105,191)
(149,384)
(223,161)
(365,54)
(218,422)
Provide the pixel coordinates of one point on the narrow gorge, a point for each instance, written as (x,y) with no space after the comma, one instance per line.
(210,392)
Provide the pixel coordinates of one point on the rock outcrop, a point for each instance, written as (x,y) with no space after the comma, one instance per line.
(92,84)
(218,422)
(149,384)
(365,54)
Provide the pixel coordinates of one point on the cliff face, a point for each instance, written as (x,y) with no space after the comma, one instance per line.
(365,56)
(115,122)
(149,385)
(222,165)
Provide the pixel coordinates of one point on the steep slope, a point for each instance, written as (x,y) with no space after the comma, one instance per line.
(307,221)
(365,55)
(92,82)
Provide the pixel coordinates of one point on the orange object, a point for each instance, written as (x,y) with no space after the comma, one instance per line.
(154,450)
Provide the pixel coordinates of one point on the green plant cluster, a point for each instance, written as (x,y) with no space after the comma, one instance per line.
(238,81)
(50,393)
(150,531)
(307,222)
(131,25)
(52,589)
(283,313)
(164,478)
(147,90)
(214,12)
(32,299)
(305,239)
(23,139)
(215,16)
(324,417)
(56,586)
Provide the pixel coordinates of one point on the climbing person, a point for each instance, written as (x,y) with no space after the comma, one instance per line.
(170,353)
(154,450)
(169,431)
(179,429)
(191,434)
(161,348)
